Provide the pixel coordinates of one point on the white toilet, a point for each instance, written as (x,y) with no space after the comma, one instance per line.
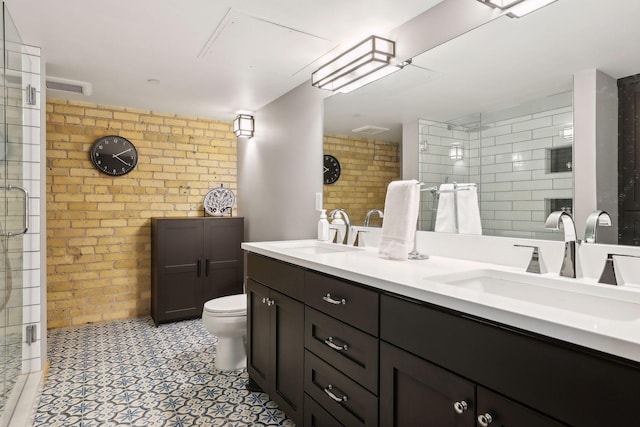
(226,318)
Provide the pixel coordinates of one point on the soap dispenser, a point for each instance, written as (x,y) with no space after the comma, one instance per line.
(323,226)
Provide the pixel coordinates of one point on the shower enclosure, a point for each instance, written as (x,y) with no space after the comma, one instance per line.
(20,308)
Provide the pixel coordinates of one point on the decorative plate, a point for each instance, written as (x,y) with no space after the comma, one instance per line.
(219,201)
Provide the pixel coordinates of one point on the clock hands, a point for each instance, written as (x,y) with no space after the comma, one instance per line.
(122,152)
(326,169)
(117,156)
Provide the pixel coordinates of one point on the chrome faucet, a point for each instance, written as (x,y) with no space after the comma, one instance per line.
(368,217)
(568,268)
(347,222)
(595,219)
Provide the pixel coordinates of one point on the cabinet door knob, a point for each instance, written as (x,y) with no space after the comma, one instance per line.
(485,419)
(265,301)
(329,391)
(331,343)
(460,406)
(331,300)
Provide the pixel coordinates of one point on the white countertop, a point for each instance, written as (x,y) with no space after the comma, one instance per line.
(610,331)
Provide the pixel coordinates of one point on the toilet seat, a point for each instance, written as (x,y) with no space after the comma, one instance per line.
(232,305)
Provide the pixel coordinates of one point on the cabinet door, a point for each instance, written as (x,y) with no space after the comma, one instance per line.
(414,392)
(177,292)
(223,266)
(495,410)
(287,355)
(258,333)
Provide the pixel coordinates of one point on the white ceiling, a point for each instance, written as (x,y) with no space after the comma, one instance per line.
(500,64)
(213,58)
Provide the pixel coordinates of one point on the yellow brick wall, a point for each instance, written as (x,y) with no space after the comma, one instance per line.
(368,166)
(98,227)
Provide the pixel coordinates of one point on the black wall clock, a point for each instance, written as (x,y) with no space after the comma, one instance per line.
(331,169)
(114,155)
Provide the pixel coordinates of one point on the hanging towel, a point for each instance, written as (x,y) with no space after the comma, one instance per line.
(445,215)
(468,211)
(400,219)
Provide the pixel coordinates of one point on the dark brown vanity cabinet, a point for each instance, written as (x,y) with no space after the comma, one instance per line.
(193,260)
(521,379)
(275,332)
(335,353)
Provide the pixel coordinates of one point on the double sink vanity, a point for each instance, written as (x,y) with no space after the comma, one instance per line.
(339,336)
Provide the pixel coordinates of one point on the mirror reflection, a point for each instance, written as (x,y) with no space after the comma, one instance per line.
(454,98)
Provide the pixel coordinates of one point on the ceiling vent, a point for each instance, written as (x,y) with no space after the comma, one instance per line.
(370,130)
(70,86)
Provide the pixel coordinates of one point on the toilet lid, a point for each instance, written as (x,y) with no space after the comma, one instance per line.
(229,305)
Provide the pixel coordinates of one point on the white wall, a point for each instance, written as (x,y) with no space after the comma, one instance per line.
(607,153)
(596,128)
(280,168)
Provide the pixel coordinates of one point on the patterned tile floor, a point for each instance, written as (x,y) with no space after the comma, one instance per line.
(130,373)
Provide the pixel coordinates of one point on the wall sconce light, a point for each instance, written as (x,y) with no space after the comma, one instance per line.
(362,64)
(567,133)
(455,151)
(517,8)
(243,126)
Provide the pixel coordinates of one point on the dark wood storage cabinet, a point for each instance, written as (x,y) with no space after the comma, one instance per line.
(193,260)
(331,352)
(275,332)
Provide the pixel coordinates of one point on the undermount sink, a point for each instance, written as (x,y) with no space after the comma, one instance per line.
(594,300)
(315,247)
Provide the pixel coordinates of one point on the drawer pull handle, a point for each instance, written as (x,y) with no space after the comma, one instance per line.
(330,300)
(328,389)
(485,419)
(460,406)
(331,343)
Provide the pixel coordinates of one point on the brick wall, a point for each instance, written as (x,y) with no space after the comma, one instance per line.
(98,227)
(368,166)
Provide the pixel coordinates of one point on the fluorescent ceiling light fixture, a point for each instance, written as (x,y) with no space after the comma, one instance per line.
(526,7)
(500,4)
(243,126)
(517,8)
(363,63)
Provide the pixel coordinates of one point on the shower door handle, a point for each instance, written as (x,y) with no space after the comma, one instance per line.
(25,212)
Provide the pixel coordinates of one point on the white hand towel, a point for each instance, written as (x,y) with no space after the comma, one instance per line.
(445,215)
(468,211)
(400,219)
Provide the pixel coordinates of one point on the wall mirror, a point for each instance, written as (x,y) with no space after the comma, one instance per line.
(461,91)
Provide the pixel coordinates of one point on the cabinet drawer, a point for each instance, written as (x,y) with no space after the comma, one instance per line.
(350,303)
(350,404)
(277,275)
(316,416)
(559,379)
(347,349)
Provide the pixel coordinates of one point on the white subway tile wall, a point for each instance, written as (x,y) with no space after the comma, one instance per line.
(507,155)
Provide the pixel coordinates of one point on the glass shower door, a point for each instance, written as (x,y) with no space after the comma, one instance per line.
(14,219)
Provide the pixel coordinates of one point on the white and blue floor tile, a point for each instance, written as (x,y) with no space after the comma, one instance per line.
(130,373)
